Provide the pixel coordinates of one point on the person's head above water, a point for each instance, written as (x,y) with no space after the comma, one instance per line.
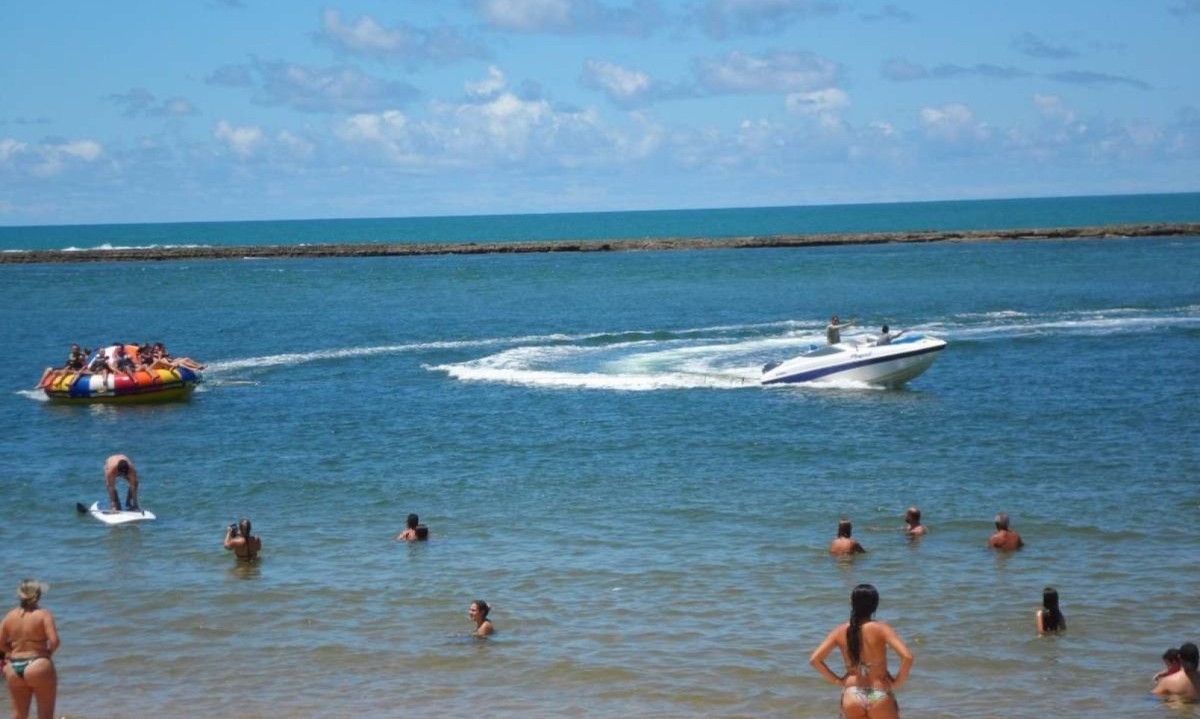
(844,528)
(1002,521)
(244,527)
(1189,656)
(913,515)
(412,521)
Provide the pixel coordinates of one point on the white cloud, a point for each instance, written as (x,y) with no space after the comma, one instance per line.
(48,159)
(140,102)
(527,15)
(570,16)
(364,35)
(242,141)
(819,102)
(954,123)
(774,72)
(622,85)
(489,86)
(309,89)
(756,137)
(297,146)
(880,128)
(10,148)
(86,150)
(500,130)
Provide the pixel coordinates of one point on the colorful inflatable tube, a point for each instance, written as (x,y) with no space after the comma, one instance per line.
(162,384)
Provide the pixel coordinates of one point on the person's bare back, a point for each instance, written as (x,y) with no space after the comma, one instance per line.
(121,466)
(1005,539)
(844,544)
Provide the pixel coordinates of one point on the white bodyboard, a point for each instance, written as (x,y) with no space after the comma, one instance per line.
(109,516)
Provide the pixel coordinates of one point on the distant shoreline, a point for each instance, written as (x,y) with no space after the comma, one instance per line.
(383,249)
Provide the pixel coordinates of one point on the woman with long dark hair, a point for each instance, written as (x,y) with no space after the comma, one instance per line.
(867,685)
(1050,618)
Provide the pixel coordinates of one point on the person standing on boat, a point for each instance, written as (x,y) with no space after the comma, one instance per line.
(886,336)
(115,466)
(833,330)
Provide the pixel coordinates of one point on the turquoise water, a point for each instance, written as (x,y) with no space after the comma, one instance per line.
(584,436)
(735,222)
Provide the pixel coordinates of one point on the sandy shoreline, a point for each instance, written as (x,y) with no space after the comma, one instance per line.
(157,254)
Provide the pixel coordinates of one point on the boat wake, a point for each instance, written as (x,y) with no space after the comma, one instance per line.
(733,357)
(717,357)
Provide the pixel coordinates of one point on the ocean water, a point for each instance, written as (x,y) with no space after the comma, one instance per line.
(1026,213)
(585,438)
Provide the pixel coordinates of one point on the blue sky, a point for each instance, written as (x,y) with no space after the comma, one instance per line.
(150,111)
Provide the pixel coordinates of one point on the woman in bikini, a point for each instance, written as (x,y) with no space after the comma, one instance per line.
(867,685)
(28,637)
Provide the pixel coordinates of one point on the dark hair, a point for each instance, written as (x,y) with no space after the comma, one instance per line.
(1052,616)
(1171,656)
(1189,656)
(483,607)
(864,600)
(123,467)
(412,521)
(244,528)
(844,528)
(885,328)
(913,513)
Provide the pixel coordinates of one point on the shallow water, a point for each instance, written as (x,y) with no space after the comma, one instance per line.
(584,437)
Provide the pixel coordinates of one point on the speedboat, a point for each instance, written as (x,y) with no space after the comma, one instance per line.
(860,359)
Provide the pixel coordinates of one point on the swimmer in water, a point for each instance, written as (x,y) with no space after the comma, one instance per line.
(478,613)
(912,523)
(1050,618)
(843,544)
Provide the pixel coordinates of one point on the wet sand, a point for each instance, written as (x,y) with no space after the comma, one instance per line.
(383,249)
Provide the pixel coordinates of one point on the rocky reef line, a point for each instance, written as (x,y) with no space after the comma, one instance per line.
(383,249)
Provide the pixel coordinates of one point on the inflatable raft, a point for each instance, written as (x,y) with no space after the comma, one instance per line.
(162,384)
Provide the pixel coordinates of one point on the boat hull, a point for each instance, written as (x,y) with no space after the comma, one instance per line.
(887,365)
(144,387)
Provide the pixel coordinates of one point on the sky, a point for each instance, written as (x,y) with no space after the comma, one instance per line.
(208,110)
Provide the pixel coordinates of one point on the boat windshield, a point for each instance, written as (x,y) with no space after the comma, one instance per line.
(823,351)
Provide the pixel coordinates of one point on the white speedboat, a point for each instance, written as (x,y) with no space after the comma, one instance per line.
(859,359)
